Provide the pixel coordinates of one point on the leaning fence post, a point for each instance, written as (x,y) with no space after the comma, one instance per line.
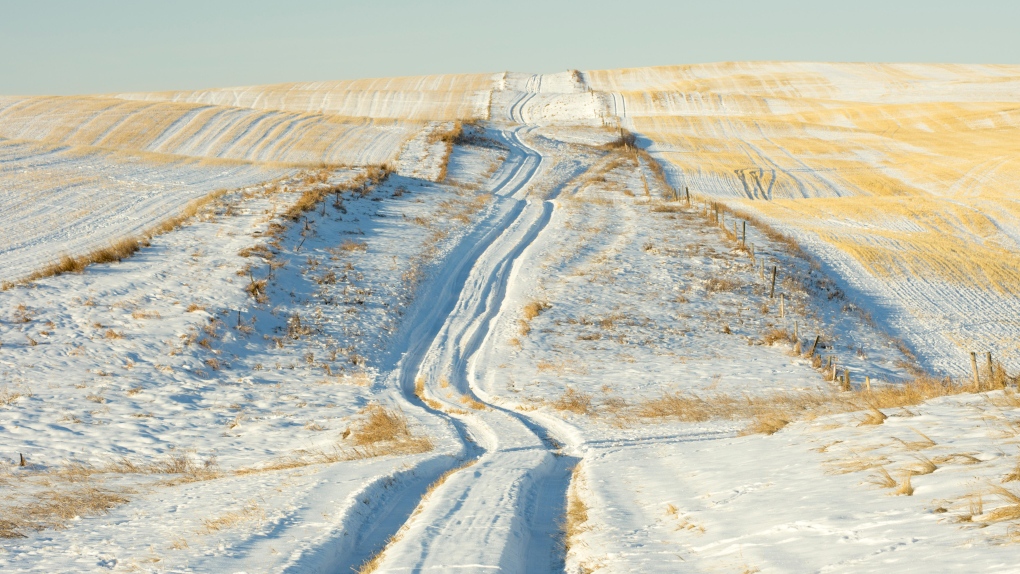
(814,345)
(973,364)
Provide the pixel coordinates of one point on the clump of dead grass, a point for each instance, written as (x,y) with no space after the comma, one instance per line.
(1009,511)
(575,518)
(250,512)
(385,431)
(776,335)
(55,508)
(531,310)
(574,401)
(720,284)
(771,412)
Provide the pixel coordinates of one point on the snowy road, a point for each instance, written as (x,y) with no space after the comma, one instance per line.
(508,502)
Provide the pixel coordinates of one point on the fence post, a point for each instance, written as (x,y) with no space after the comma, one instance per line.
(973,364)
(743,234)
(814,345)
(782,305)
(991,371)
(772,292)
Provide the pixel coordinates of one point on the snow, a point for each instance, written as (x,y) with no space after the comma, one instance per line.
(520,313)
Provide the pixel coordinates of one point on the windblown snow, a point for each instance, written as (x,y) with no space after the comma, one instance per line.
(692,318)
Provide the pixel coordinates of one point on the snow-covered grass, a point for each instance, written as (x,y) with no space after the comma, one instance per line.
(897,176)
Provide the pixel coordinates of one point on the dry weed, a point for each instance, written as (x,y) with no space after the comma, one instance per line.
(8,397)
(1010,511)
(574,401)
(776,335)
(576,515)
(250,512)
(384,431)
(874,417)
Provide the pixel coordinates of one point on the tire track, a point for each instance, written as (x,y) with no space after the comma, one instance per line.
(507,504)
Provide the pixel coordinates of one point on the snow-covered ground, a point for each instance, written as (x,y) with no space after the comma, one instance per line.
(580,360)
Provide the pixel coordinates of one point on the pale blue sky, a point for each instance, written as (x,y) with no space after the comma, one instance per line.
(94,46)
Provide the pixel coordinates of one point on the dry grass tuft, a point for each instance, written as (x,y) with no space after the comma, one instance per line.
(576,515)
(926,442)
(55,508)
(874,417)
(8,397)
(770,412)
(248,513)
(574,401)
(720,284)
(882,478)
(923,466)
(534,309)
(384,431)
(767,423)
(905,488)
(473,403)
(1011,510)
(776,335)
(531,310)
(1014,475)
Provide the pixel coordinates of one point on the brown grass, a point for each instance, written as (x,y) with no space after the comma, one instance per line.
(575,517)
(776,335)
(379,432)
(768,413)
(531,310)
(720,284)
(311,198)
(56,508)
(1010,511)
(8,397)
(473,403)
(385,431)
(574,401)
(250,512)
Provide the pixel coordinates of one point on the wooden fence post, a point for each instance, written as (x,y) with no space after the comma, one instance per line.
(772,291)
(991,371)
(743,234)
(782,305)
(688,190)
(973,364)
(814,345)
